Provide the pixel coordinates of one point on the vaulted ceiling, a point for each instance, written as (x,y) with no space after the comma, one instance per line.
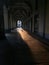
(20,9)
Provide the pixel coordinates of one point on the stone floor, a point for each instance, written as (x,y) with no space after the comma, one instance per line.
(23,49)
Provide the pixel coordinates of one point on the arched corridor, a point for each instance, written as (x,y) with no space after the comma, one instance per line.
(24,32)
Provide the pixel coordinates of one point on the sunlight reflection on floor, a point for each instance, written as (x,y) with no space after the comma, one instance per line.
(40,53)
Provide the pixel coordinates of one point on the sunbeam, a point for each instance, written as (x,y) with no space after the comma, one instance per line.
(40,53)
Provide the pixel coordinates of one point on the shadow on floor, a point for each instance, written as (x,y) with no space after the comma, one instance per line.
(15,52)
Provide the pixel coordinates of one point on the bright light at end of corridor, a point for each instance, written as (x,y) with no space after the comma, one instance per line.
(19,29)
(19,24)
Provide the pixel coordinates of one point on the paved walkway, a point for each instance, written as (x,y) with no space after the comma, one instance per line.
(39,52)
(23,42)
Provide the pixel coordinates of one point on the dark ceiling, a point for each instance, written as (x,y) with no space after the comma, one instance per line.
(20,9)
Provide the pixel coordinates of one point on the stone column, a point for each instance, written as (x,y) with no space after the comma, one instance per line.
(5,12)
(11,20)
(2,35)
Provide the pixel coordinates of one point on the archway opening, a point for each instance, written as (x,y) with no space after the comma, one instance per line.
(19,24)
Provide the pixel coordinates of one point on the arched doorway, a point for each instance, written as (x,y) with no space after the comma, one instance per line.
(19,24)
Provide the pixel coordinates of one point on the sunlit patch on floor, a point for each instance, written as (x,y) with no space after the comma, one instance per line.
(41,55)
